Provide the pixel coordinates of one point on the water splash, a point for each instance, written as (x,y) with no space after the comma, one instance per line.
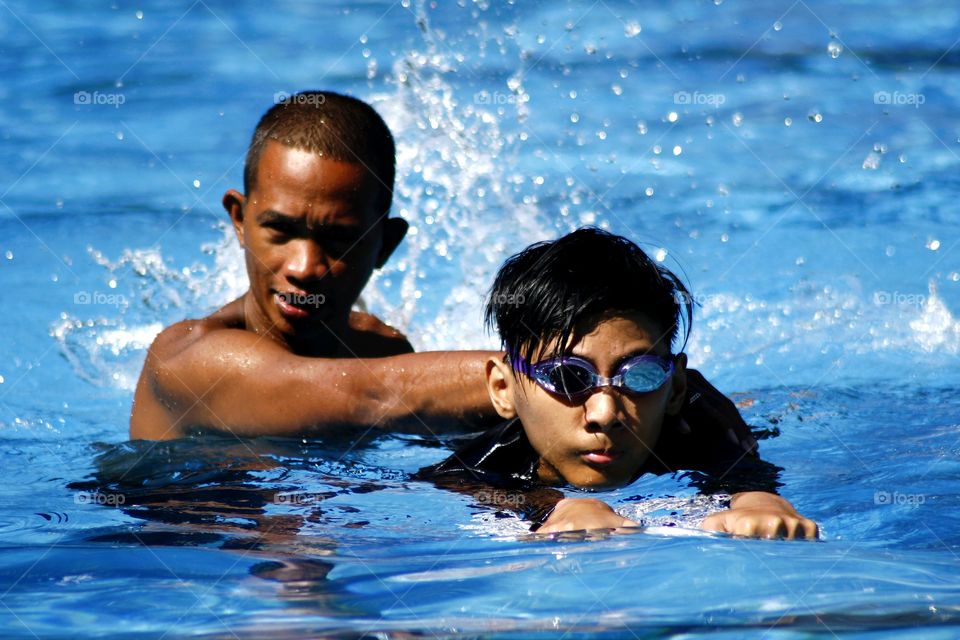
(936,329)
(453,185)
(108,351)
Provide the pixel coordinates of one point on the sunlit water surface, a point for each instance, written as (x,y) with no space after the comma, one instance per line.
(797,162)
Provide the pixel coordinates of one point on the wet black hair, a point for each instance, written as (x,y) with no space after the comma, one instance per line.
(542,296)
(336,126)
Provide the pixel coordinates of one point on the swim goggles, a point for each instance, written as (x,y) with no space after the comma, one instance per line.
(575,378)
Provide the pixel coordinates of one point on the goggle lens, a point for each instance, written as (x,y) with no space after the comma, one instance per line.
(574,377)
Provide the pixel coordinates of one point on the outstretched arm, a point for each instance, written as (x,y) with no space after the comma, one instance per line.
(236,381)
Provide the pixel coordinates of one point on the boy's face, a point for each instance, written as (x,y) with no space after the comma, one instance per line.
(602,441)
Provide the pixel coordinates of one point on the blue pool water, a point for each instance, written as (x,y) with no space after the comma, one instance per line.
(798,161)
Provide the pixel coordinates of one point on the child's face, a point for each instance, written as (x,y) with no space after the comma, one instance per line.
(601,441)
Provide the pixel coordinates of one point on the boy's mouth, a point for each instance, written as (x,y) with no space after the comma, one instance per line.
(297,305)
(601,456)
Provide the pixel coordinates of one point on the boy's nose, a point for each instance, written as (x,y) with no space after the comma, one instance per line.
(308,262)
(601,409)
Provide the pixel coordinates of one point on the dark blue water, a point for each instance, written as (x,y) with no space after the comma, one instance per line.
(797,161)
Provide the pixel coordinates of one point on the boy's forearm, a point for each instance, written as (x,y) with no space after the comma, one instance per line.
(442,388)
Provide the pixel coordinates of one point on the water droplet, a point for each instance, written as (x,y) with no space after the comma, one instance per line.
(139,15)
(573,95)
(672,116)
(648,191)
(642,128)
(677,150)
(574,117)
(800,261)
(933,245)
(890,250)
(788,121)
(834,49)
(617,90)
(657,149)
(872,161)
(196,184)
(119,135)
(602,135)
(632,29)
(815,116)
(953,276)
(777,25)
(363,39)
(590,48)
(902,158)
(710,121)
(660,255)
(724,237)
(112,283)
(737,119)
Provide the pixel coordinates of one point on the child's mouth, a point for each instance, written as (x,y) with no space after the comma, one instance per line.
(601,457)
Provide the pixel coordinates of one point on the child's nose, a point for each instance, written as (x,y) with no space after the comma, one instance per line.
(600,409)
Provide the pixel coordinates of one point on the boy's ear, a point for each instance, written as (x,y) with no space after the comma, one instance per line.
(233,202)
(678,386)
(500,386)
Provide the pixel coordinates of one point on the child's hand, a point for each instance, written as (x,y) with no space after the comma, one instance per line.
(578,514)
(758,514)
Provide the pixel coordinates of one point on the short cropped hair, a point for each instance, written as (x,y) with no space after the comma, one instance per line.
(335,126)
(541,296)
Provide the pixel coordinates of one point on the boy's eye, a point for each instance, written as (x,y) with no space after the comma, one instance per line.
(280,228)
(570,378)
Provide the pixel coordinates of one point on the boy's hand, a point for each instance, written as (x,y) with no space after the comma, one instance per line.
(758,514)
(578,514)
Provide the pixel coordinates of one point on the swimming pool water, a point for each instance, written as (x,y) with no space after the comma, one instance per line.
(797,161)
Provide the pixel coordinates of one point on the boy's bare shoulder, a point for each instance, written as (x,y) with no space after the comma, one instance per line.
(371,337)
(174,339)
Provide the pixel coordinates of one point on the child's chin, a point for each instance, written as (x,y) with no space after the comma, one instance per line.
(600,483)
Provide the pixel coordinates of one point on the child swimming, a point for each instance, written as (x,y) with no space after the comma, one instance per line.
(592,393)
